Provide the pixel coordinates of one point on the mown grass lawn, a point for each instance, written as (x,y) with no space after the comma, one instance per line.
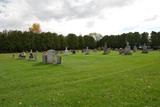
(93,80)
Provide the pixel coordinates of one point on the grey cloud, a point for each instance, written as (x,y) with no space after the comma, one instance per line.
(44,10)
(155,17)
(72,9)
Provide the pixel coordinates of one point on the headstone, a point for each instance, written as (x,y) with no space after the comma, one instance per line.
(105,49)
(50,56)
(22,55)
(61,52)
(13,55)
(86,51)
(66,52)
(121,51)
(57,59)
(35,55)
(83,51)
(144,49)
(135,48)
(31,55)
(73,52)
(95,50)
(127,50)
(44,57)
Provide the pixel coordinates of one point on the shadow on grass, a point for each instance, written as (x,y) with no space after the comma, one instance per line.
(42,64)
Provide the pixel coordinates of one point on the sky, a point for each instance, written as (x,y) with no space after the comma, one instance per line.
(81,16)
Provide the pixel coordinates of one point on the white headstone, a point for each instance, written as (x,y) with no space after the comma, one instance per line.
(66,52)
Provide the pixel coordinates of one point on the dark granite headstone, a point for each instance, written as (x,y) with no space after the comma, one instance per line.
(73,52)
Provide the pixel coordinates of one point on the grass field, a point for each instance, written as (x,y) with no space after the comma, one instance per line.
(93,80)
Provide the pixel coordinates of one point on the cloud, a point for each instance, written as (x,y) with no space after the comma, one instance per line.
(71,9)
(80,16)
(152,18)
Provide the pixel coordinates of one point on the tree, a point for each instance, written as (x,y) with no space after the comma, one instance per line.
(155,40)
(35,28)
(72,41)
(80,42)
(63,42)
(89,42)
(144,38)
(96,36)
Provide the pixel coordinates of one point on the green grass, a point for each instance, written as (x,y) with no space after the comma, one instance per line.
(93,80)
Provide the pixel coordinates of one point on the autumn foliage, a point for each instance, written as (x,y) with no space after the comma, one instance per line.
(35,28)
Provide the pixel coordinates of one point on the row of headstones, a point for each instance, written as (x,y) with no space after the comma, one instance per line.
(32,56)
(128,51)
(49,56)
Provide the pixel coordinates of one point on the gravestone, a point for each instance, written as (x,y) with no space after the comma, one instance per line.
(31,56)
(95,50)
(135,48)
(13,55)
(22,55)
(44,57)
(86,51)
(83,50)
(35,55)
(57,59)
(127,50)
(66,52)
(105,49)
(73,52)
(121,51)
(50,56)
(144,49)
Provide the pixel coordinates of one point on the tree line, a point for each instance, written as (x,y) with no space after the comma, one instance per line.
(18,41)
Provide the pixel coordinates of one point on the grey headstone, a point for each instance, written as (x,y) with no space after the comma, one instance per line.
(86,51)
(57,59)
(135,49)
(50,56)
(121,51)
(127,50)
(105,49)
(144,49)
(44,57)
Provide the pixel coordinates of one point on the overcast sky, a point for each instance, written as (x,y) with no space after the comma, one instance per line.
(81,16)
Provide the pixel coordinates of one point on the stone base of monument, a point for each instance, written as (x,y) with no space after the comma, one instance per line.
(127,53)
(124,52)
(86,53)
(106,52)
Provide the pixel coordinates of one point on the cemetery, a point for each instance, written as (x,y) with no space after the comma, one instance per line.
(52,70)
(90,78)
(79,71)
(88,53)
